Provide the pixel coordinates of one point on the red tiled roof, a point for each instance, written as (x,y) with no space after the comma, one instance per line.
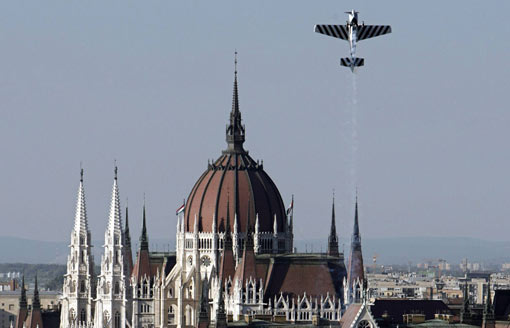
(296,275)
(143,266)
(246,269)
(350,315)
(227,265)
(35,319)
(235,176)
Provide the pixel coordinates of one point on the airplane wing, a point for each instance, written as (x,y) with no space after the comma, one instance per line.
(371,31)
(337,31)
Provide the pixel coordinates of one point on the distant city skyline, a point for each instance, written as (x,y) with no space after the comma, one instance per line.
(150,86)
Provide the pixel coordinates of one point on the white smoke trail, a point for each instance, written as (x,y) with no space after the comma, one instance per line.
(354,135)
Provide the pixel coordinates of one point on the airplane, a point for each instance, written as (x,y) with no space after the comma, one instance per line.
(352,32)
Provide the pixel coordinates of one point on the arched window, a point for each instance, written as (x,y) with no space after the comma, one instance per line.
(82,286)
(83,316)
(106,319)
(170,292)
(171,315)
(145,289)
(117,320)
(117,288)
(188,315)
(72,315)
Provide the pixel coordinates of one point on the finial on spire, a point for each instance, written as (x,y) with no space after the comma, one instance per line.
(115,168)
(144,240)
(81,173)
(235,62)
(235,130)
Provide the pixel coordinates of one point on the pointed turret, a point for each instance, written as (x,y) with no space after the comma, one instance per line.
(80,218)
(235,130)
(142,266)
(227,263)
(23,308)
(356,270)
(114,219)
(221,315)
(113,282)
(488,311)
(246,268)
(465,310)
(36,301)
(78,287)
(333,237)
(128,253)
(35,315)
(144,240)
(203,317)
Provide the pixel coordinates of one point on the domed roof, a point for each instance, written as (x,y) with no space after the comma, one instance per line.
(235,185)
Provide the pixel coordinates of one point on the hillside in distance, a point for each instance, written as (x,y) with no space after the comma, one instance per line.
(400,250)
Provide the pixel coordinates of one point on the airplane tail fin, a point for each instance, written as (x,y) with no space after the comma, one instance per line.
(352,62)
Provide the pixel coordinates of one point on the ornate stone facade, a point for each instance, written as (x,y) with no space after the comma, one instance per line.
(234,258)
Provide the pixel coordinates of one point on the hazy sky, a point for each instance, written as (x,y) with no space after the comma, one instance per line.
(149,83)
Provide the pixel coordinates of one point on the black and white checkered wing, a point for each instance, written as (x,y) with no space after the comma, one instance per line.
(336,31)
(371,31)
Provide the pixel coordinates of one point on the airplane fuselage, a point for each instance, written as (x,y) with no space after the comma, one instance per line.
(352,32)
(352,26)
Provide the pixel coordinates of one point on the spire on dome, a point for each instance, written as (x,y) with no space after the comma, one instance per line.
(80,218)
(248,243)
(144,240)
(227,262)
(235,129)
(114,221)
(333,237)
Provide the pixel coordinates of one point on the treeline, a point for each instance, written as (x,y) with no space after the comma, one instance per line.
(49,276)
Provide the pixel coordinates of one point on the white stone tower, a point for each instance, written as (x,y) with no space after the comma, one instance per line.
(112,303)
(78,289)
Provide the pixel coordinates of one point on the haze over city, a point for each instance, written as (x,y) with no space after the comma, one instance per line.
(150,86)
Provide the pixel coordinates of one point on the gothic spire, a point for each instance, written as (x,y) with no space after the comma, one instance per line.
(248,243)
(333,237)
(23,297)
(36,303)
(127,239)
(126,230)
(355,232)
(80,218)
(488,304)
(228,236)
(235,129)
(114,221)
(356,268)
(144,240)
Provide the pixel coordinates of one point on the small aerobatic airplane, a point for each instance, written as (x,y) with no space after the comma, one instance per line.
(353,32)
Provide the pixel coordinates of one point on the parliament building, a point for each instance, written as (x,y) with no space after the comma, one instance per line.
(234,259)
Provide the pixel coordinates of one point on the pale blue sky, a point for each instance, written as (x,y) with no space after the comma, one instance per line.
(149,83)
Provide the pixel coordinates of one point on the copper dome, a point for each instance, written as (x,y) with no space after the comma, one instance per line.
(237,181)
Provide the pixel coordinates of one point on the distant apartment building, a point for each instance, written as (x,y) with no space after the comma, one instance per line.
(9,304)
